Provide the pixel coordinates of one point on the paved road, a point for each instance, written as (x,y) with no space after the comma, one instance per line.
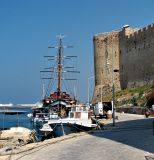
(131,139)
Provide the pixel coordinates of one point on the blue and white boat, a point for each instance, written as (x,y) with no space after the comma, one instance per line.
(79,119)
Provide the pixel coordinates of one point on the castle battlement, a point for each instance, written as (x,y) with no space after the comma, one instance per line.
(141,32)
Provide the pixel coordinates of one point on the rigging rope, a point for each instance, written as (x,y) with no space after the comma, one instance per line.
(51,81)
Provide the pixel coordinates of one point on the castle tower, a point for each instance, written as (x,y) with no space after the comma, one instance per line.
(106,60)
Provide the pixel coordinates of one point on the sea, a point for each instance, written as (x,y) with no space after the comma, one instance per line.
(19,120)
(7,121)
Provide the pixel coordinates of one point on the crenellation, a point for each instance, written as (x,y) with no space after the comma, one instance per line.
(139,31)
(142,30)
(151,26)
(146,28)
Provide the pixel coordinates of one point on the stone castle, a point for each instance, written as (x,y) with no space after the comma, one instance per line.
(124,58)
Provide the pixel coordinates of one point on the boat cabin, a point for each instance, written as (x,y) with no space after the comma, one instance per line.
(79,112)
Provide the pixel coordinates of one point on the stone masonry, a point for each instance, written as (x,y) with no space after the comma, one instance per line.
(125,58)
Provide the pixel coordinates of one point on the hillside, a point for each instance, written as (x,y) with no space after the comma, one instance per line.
(138,96)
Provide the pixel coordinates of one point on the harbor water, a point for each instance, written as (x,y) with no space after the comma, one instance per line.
(8,121)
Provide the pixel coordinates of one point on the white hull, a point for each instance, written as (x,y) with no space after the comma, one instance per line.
(69,125)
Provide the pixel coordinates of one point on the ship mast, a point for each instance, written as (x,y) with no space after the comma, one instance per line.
(59,59)
(59,63)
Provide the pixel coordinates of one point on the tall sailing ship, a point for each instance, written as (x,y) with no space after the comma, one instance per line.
(59,99)
(58,103)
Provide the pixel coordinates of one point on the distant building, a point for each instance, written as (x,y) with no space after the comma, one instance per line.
(130,53)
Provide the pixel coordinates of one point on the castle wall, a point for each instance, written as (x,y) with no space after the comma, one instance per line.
(131,51)
(137,57)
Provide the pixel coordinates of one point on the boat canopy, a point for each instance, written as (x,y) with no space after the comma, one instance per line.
(56,103)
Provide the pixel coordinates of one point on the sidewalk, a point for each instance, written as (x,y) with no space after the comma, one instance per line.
(129,123)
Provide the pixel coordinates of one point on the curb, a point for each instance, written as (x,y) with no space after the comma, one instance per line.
(40,145)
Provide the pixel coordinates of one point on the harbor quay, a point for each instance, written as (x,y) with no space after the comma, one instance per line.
(131,138)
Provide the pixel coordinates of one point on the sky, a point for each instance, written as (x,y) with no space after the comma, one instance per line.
(28,27)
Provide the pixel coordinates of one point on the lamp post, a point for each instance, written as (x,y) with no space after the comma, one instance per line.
(113,95)
(88,88)
(113,85)
(101,87)
(113,101)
